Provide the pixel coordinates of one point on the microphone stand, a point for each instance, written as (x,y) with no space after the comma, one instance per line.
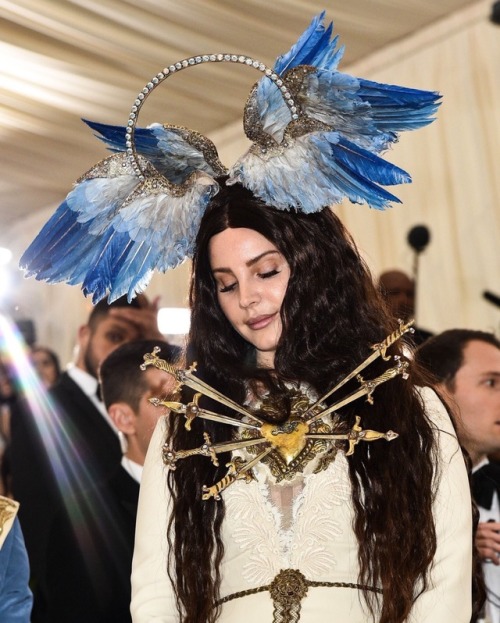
(418,239)
(416,258)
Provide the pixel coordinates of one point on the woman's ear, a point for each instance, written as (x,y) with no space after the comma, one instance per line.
(123,417)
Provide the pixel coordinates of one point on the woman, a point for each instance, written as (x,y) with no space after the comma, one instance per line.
(283,308)
(46,364)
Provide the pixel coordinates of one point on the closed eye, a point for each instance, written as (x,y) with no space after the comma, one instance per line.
(271,273)
(266,275)
(228,288)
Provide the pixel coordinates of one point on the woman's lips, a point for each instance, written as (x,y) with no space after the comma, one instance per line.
(260,322)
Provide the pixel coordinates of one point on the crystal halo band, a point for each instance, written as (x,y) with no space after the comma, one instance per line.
(193,61)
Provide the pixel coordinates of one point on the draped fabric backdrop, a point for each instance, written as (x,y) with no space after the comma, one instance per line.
(455,192)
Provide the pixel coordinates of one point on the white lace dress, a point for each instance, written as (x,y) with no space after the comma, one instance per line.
(304,525)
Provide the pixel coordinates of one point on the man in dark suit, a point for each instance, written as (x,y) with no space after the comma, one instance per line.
(466,365)
(91,540)
(66,441)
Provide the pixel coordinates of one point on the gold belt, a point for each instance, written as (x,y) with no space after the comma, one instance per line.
(287,590)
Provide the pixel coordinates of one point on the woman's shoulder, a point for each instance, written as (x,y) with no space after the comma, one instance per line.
(434,406)
(440,420)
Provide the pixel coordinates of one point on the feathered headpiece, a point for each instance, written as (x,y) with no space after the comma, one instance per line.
(316,134)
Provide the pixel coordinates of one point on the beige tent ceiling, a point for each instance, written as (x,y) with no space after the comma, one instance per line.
(62,60)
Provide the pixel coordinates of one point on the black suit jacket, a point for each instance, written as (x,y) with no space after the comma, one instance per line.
(58,449)
(89,556)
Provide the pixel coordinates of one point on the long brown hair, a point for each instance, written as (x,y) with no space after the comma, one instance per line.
(331,314)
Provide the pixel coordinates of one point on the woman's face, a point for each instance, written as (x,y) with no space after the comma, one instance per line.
(252,278)
(44,367)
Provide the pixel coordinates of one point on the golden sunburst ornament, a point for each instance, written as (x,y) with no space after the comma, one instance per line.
(312,429)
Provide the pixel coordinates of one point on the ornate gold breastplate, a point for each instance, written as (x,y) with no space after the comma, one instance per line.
(312,429)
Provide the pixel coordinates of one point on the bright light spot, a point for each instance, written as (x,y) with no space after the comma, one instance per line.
(5,256)
(174,320)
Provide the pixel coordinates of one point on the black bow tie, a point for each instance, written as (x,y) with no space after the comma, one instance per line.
(485,481)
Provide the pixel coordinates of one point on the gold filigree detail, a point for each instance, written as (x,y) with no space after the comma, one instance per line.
(8,509)
(291,449)
(288,589)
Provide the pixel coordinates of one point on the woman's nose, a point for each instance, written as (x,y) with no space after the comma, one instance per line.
(249,294)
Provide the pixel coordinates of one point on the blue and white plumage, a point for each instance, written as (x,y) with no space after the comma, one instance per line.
(349,122)
(110,238)
(114,229)
(168,148)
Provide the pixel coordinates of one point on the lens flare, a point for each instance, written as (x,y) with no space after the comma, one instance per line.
(85,505)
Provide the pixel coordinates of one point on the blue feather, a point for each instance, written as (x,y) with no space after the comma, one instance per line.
(365,163)
(110,242)
(116,268)
(164,147)
(366,113)
(314,47)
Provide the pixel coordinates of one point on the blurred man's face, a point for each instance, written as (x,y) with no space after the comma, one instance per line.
(476,393)
(97,343)
(399,292)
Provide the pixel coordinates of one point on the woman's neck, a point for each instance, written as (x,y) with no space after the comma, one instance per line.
(265,359)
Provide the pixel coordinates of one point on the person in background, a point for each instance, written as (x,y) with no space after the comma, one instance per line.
(46,364)
(8,397)
(398,291)
(466,366)
(89,554)
(65,444)
(16,599)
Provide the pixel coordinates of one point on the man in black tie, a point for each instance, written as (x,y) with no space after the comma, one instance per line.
(466,364)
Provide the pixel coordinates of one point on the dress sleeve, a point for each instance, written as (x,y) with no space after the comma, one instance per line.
(152,594)
(15,595)
(448,597)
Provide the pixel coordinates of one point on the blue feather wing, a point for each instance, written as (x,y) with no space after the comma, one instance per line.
(368,113)
(314,47)
(365,118)
(112,231)
(316,170)
(175,152)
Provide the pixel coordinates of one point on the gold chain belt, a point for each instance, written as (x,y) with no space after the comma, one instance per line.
(287,590)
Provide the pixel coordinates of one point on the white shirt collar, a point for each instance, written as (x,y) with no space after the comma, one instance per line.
(132,468)
(85,381)
(482,463)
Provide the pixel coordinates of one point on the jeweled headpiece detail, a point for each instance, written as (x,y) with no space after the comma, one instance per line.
(316,138)
(312,429)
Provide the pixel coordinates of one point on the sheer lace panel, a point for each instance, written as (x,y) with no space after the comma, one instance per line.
(283,498)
